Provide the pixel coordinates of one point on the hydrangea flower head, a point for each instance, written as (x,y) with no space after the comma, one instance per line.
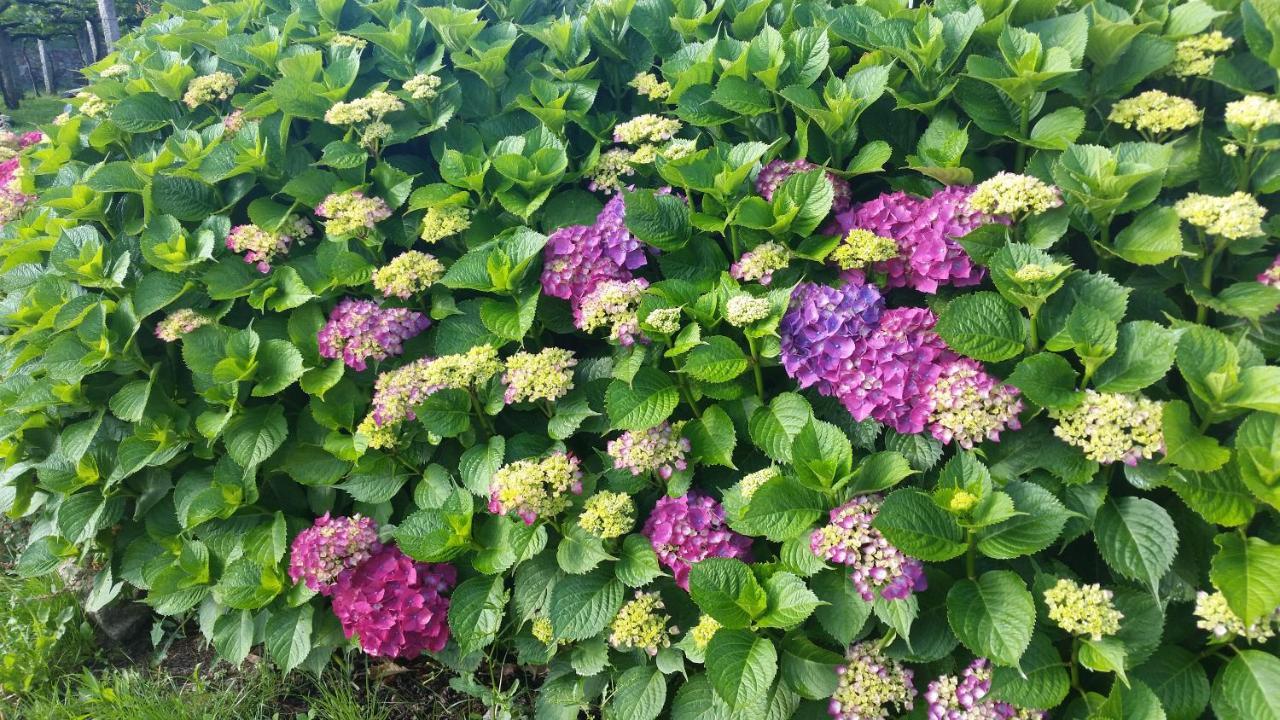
(408,274)
(1233,217)
(613,165)
(351,212)
(330,546)
(1155,112)
(970,406)
(664,320)
(1195,56)
(760,263)
(577,258)
(207,88)
(690,528)
(641,625)
(91,105)
(871,686)
(1271,276)
(1014,195)
(1085,610)
(1215,615)
(1251,113)
(659,449)
(179,323)
(650,86)
(396,605)
(115,70)
(878,567)
(608,515)
(612,304)
(535,488)
(964,697)
(860,248)
(423,86)
(823,327)
(702,633)
(342,40)
(772,176)
(1112,427)
(359,329)
(442,221)
(743,309)
(544,375)
(647,128)
(751,482)
(233,122)
(260,246)
(370,108)
(542,630)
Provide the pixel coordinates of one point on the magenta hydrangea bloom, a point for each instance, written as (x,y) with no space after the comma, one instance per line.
(27,139)
(890,373)
(823,327)
(691,528)
(360,329)
(964,697)
(925,230)
(772,176)
(878,567)
(395,604)
(1271,276)
(579,257)
(323,551)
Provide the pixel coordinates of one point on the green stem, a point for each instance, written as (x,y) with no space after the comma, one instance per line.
(687,395)
(479,411)
(1024,128)
(1247,162)
(755,368)
(1075,665)
(971,556)
(1033,339)
(1206,281)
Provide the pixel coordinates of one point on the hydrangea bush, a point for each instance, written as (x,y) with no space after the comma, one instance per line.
(757,358)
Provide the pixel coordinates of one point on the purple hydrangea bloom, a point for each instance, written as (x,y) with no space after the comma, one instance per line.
(691,528)
(823,327)
(395,604)
(849,539)
(1271,276)
(926,230)
(772,176)
(579,257)
(360,329)
(964,697)
(323,551)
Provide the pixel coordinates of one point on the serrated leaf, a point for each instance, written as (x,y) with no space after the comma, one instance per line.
(993,616)
(1136,538)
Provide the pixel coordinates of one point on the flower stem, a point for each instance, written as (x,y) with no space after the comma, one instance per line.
(971,556)
(479,411)
(755,368)
(1033,339)
(1206,281)
(1075,665)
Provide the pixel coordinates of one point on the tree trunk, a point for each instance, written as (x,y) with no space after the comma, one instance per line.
(8,79)
(110,24)
(82,47)
(93,38)
(46,73)
(31,73)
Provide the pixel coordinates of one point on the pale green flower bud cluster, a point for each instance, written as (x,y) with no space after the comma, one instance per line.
(1113,426)
(1035,273)
(743,309)
(702,633)
(545,375)
(608,515)
(532,489)
(1233,217)
(1014,195)
(861,248)
(1194,56)
(612,304)
(117,70)
(1253,113)
(1215,615)
(351,41)
(650,86)
(372,107)
(869,684)
(179,323)
(407,274)
(752,482)
(351,212)
(462,370)
(647,128)
(640,625)
(664,320)
(442,221)
(91,105)
(1085,610)
(610,169)
(207,88)
(1155,112)
(423,86)
(761,262)
(542,631)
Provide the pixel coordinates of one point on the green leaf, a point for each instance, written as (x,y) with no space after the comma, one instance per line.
(821,455)
(917,526)
(1248,688)
(712,437)
(780,509)
(279,366)
(1186,447)
(1048,380)
(661,221)
(806,197)
(583,605)
(475,612)
(1178,680)
(647,401)
(790,601)
(773,429)
(1040,682)
(1144,354)
(233,636)
(808,669)
(718,359)
(1247,571)
(1039,522)
(1259,389)
(1258,456)
(993,616)
(725,589)
(1136,538)
(246,585)
(638,563)
(289,636)
(1220,497)
(256,434)
(983,326)
(1153,237)
(143,112)
(640,694)
(1131,701)
(742,666)
(446,413)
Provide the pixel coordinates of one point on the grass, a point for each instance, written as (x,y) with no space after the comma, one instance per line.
(35,110)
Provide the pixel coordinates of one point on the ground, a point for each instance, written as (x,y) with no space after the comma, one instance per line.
(35,110)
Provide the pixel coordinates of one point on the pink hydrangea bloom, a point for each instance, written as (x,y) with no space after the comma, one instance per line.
(691,528)
(964,697)
(878,567)
(772,176)
(659,449)
(360,329)
(926,230)
(323,551)
(395,604)
(1271,276)
(579,257)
